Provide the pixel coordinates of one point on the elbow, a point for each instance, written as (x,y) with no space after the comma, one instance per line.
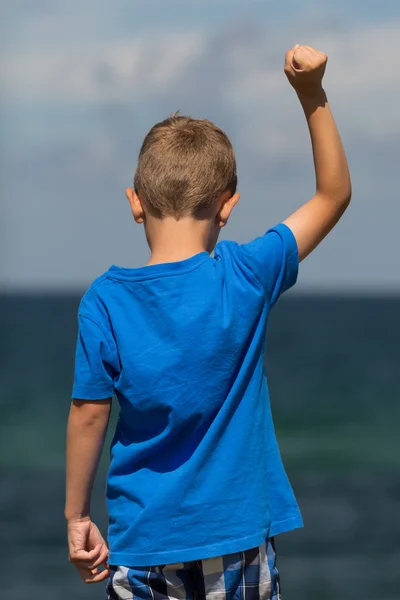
(347,194)
(344,192)
(88,415)
(339,196)
(344,200)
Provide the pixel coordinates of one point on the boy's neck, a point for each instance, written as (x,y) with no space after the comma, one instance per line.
(174,241)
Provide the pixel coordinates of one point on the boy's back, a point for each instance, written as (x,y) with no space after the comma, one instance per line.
(196,483)
(194,458)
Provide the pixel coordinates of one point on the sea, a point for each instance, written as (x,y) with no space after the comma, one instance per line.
(333,365)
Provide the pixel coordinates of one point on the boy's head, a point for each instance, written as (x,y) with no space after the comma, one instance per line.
(184,186)
(185,166)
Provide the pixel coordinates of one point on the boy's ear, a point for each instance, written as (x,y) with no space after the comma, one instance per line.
(136,205)
(228,204)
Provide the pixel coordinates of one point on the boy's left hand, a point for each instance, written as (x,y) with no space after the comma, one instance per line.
(305,69)
(87,550)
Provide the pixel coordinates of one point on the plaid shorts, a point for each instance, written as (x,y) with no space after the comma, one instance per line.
(249,575)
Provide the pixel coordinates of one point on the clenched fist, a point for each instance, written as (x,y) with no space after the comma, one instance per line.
(305,69)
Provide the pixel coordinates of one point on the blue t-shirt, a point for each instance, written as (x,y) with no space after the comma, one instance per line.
(195,467)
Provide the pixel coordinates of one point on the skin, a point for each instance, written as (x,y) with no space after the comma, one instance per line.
(169,241)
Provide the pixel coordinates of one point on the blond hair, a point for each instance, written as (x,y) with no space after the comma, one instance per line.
(184,166)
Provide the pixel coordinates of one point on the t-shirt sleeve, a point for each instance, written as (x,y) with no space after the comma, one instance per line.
(274,260)
(94,358)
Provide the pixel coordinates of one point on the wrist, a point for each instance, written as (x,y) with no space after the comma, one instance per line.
(315,95)
(311,102)
(74,517)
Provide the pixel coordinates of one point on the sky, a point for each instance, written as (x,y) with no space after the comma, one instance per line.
(81,83)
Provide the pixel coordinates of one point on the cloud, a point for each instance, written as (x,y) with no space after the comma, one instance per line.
(74,117)
(105,73)
(241,68)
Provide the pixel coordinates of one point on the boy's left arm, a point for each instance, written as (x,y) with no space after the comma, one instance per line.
(87,428)
(305,68)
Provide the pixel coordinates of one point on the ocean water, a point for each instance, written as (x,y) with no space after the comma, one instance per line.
(334,367)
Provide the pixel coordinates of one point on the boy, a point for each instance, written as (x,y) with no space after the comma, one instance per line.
(196,488)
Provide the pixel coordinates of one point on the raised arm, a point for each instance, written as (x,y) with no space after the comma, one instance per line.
(305,68)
